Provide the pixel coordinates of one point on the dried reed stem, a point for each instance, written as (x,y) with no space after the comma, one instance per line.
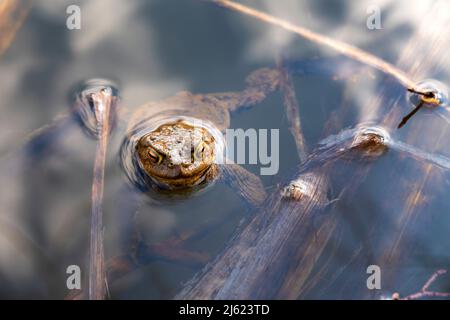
(97,276)
(342,47)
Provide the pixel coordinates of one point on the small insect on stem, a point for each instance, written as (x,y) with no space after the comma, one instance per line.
(426,94)
(426,97)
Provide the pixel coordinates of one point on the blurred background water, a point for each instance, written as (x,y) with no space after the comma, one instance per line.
(154,49)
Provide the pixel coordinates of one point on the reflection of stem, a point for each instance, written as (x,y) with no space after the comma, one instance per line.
(292,109)
(97,278)
(409,115)
(342,47)
(424,291)
(39,139)
(171,250)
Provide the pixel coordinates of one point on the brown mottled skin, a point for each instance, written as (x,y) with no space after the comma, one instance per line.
(177,154)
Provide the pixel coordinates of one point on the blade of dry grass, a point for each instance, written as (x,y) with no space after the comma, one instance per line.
(97,276)
(339,46)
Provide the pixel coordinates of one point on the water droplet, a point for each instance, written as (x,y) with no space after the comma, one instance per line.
(371,141)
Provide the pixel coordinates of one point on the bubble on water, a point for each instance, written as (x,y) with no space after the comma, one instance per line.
(439,90)
(85,109)
(371,141)
(373,129)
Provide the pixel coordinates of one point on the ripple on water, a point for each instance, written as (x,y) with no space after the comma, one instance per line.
(84,106)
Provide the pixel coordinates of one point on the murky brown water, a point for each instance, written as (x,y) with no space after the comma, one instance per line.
(395,215)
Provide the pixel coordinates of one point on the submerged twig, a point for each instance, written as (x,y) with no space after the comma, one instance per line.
(260,254)
(342,47)
(424,292)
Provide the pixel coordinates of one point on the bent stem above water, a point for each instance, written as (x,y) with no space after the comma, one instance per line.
(102,101)
(341,47)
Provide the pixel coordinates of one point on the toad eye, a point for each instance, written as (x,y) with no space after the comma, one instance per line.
(154,156)
(198,151)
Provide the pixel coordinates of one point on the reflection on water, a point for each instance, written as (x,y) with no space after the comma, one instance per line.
(390,211)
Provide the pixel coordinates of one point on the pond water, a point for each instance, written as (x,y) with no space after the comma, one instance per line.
(396,214)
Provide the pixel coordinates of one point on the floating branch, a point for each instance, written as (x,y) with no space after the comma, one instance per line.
(425,53)
(327,146)
(256,261)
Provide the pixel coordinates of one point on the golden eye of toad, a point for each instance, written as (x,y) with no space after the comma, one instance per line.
(198,151)
(154,156)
